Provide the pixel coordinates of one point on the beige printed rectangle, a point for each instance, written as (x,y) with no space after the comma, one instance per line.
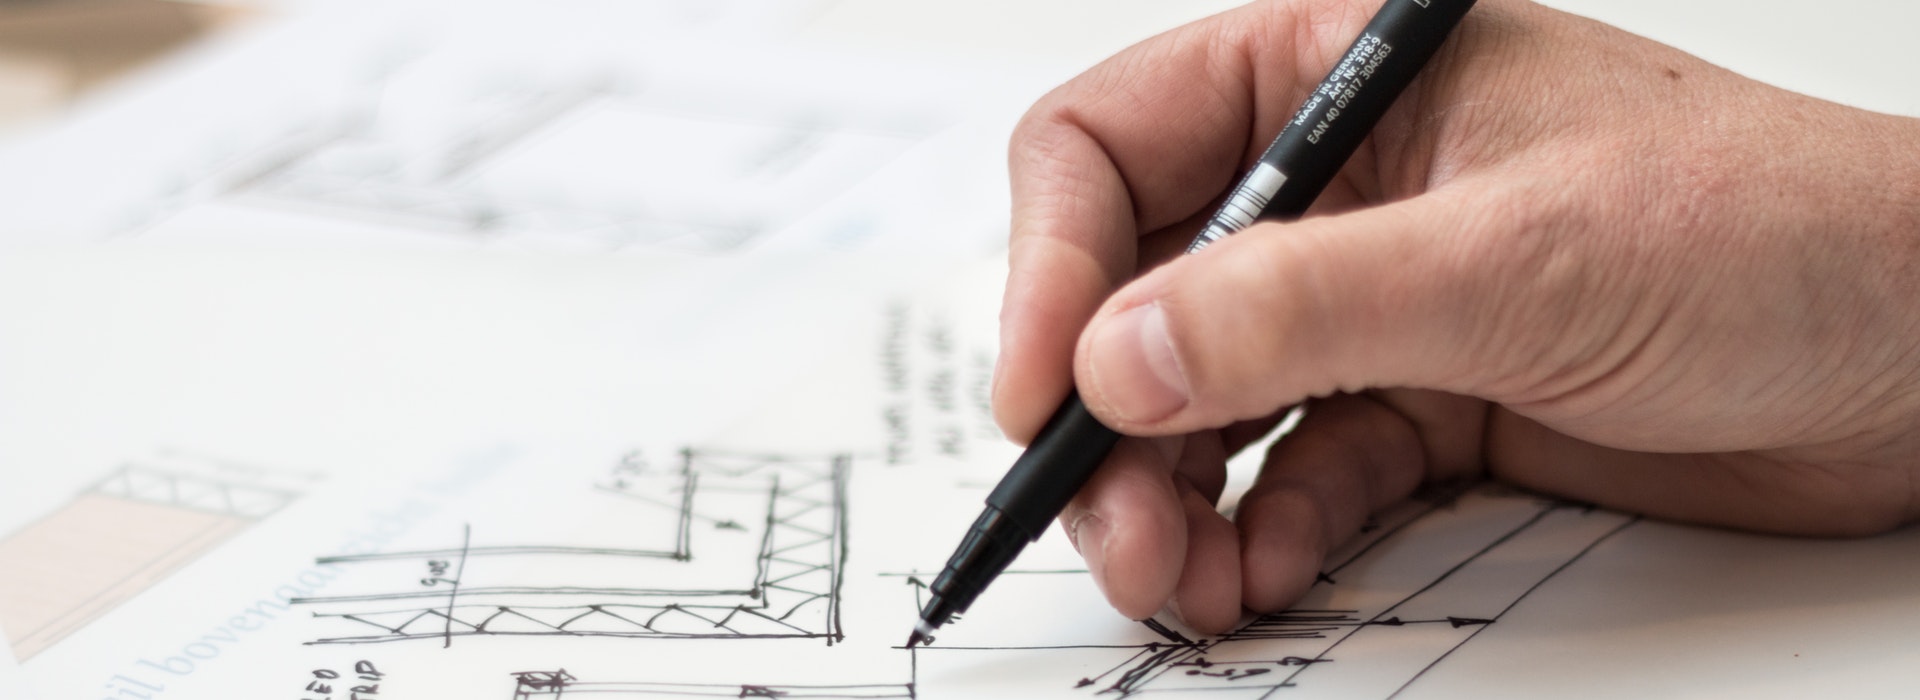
(98,551)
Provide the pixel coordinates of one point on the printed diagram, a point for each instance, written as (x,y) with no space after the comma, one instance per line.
(597,161)
(126,533)
(719,546)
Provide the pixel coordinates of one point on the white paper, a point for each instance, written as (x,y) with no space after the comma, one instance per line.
(340,409)
(741,530)
(10,681)
(573,126)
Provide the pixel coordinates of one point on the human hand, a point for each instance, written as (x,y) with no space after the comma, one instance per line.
(1569,258)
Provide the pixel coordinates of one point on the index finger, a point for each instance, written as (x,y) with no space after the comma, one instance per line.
(1146,139)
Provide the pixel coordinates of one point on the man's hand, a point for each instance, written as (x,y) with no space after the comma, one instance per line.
(1570,258)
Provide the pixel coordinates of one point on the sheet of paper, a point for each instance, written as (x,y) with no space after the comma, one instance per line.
(335,403)
(10,681)
(574,126)
(727,529)
(338,417)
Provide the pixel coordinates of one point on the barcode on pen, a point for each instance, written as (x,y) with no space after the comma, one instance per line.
(1243,206)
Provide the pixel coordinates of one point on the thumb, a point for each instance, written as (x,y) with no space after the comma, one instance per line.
(1434,292)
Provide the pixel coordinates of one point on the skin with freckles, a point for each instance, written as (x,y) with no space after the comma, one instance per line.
(1568,258)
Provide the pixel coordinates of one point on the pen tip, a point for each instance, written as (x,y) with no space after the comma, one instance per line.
(922,634)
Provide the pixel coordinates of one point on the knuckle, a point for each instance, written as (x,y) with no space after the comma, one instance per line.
(1541,293)
(1282,550)
(1282,515)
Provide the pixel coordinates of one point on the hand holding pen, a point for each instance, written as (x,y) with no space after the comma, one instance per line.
(1568,258)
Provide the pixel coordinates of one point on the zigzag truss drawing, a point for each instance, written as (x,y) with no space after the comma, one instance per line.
(754,547)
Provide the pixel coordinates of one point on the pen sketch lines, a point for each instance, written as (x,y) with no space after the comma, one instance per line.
(531,685)
(778,538)
(1418,587)
(1421,583)
(1457,622)
(453,592)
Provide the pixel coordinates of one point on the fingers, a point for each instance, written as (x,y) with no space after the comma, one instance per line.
(1053,287)
(1180,115)
(1129,525)
(1142,141)
(1239,436)
(1350,456)
(1451,429)
(1412,294)
(1207,596)
(1148,527)
(1802,495)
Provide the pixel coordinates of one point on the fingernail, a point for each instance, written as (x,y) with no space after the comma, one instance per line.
(1090,538)
(1134,369)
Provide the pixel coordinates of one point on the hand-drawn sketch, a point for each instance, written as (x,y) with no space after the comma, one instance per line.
(1423,581)
(127,532)
(533,685)
(746,546)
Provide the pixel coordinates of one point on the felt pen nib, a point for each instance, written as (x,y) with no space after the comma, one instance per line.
(922,634)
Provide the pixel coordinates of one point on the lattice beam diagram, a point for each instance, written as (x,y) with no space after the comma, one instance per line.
(769,565)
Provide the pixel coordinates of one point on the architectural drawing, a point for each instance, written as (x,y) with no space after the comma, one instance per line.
(536,685)
(1422,582)
(722,546)
(127,532)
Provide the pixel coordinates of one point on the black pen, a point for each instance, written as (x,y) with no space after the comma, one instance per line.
(1306,155)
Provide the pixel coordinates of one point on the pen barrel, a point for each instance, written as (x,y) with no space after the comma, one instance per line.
(1337,116)
(991,545)
(1061,460)
(1356,93)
